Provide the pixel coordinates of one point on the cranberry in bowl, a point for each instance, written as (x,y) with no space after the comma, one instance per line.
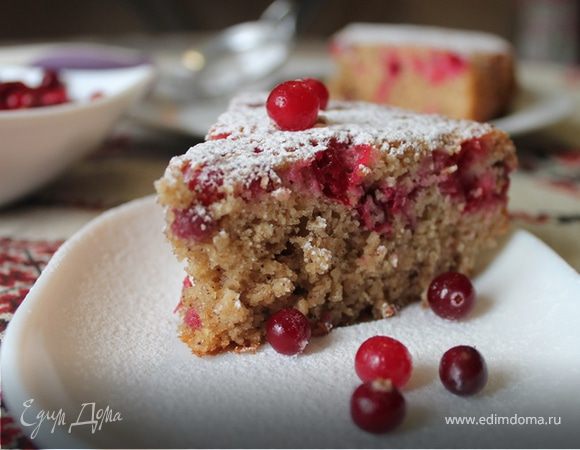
(49,120)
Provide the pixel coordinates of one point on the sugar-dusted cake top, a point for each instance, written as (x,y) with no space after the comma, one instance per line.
(245,144)
(460,41)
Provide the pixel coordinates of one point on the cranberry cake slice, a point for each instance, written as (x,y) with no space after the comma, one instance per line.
(462,74)
(345,221)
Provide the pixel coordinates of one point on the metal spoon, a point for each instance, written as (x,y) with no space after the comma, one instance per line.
(237,56)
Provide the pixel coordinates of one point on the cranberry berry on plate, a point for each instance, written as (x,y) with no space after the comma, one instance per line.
(384,357)
(288,331)
(463,370)
(377,406)
(451,295)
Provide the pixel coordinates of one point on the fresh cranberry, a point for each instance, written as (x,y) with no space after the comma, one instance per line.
(463,370)
(320,89)
(383,357)
(288,331)
(17,95)
(377,406)
(192,223)
(451,295)
(50,79)
(20,99)
(10,86)
(52,96)
(12,93)
(293,105)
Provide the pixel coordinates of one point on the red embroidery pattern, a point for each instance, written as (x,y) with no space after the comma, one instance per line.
(12,437)
(555,169)
(21,262)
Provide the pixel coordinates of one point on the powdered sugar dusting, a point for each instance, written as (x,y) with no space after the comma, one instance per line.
(255,148)
(460,41)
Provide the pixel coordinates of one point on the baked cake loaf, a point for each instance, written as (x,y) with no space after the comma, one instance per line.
(345,221)
(461,74)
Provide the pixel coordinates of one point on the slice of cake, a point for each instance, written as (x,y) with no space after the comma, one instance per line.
(344,221)
(461,74)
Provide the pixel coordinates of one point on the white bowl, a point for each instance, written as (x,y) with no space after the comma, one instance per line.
(37,144)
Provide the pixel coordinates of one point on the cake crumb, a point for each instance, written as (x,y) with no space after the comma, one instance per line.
(282,286)
(318,224)
(318,258)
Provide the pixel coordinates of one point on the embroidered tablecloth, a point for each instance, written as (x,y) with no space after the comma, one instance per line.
(545,199)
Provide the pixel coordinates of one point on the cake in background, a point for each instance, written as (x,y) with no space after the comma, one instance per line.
(460,74)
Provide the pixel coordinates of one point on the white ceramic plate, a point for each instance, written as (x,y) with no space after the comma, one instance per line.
(534,107)
(98,327)
(39,143)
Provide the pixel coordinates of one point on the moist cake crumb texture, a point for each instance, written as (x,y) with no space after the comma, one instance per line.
(346,221)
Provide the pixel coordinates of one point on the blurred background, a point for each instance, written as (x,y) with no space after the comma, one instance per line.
(539,29)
